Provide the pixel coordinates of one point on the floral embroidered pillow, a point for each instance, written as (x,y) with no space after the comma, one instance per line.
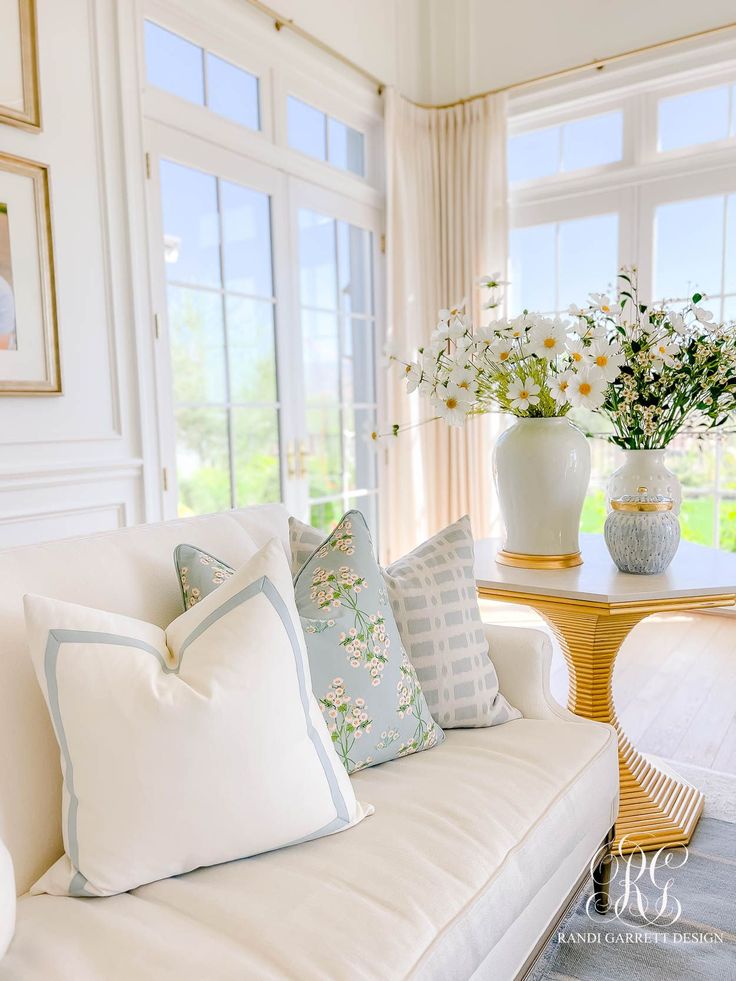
(361,676)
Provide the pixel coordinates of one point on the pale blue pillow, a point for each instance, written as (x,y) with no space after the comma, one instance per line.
(361,676)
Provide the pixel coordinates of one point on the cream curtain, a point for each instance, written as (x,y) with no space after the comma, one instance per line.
(447,225)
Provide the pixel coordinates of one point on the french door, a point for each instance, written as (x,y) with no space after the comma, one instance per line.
(264,289)
(334,241)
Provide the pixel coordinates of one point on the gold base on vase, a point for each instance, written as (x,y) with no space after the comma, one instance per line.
(519,560)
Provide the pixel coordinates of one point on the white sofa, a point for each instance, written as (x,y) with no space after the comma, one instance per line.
(471,854)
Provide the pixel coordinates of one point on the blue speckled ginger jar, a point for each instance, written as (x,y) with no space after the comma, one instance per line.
(642,533)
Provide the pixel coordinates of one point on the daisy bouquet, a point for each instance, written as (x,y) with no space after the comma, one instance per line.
(677,367)
(530,366)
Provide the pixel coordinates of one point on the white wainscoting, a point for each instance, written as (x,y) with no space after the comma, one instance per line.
(49,503)
(74,464)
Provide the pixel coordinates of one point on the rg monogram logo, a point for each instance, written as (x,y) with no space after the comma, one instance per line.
(646,888)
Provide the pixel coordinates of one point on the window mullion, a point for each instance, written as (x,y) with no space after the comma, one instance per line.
(226,347)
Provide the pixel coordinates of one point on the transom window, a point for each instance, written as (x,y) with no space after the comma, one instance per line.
(667,214)
(694,118)
(201,77)
(325,138)
(588,142)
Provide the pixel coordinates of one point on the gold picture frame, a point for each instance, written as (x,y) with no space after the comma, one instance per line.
(29,333)
(29,115)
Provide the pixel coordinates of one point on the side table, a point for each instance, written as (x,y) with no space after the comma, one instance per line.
(592,609)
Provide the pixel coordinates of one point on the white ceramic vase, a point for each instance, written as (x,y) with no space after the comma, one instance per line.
(541,468)
(644,468)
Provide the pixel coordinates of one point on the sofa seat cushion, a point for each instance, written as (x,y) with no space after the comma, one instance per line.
(464,835)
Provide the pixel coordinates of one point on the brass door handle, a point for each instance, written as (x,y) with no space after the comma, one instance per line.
(303,455)
(291,466)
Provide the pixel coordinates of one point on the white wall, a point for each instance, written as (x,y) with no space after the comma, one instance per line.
(476,45)
(72,464)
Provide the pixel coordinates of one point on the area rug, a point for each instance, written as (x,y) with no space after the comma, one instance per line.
(674,923)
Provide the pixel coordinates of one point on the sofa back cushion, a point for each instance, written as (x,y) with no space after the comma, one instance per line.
(127,572)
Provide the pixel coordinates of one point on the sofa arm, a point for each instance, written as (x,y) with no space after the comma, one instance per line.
(522,658)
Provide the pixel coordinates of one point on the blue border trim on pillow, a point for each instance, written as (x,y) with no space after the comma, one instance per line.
(57,638)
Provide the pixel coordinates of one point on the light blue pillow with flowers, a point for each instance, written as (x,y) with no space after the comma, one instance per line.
(361,676)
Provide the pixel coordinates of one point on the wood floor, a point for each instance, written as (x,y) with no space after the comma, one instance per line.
(674,683)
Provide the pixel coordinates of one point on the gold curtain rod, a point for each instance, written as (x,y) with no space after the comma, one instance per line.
(598,64)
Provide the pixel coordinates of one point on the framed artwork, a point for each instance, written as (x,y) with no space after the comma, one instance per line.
(20,103)
(29,341)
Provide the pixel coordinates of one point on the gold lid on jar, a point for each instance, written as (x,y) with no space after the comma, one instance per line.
(641,502)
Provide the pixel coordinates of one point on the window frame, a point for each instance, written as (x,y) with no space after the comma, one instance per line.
(644,178)
(198,137)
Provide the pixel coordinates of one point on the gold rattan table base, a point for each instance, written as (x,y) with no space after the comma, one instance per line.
(657,808)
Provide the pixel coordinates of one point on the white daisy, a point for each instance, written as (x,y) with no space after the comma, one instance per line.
(464,378)
(677,322)
(587,388)
(518,327)
(523,394)
(413,375)
(483,338)
(452,313)
(602,302)
(559,387)
(451,403)
(577,351)
(492,281)
(606,359)
(548,338)
(702,315)
(663,353)
(502,349)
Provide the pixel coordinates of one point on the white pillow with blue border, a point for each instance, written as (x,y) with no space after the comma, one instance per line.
(189,746)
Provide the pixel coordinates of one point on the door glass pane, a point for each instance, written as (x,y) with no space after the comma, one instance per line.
(222,343)
(197,342)
(533,155)
(202,460)
(346,147)
(191,225)
(729,264)
(694,117)
(232,92)
(688,244)
(256,456)
(729,308)
(355,269)
(588,252)
(360,466)
(317,260)
(246,234)
(251,350)
(321,356)
(174,64)
(307,129)
(358,360)
(533,268)
(324,463)
(338,354)
(326,514)
(593,141)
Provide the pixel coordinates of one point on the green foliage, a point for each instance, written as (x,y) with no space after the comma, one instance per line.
(679,369)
